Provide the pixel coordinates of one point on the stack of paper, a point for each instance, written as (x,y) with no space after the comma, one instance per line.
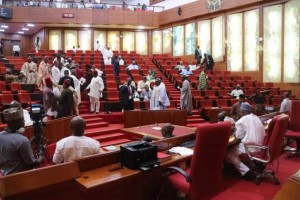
(182,151)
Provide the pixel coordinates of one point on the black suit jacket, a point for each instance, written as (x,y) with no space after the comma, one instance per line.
(62,79)
(124,94)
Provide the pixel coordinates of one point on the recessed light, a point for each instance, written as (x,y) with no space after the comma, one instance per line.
(2,30)
(86,25)
(30,25)
(25,29)
(21,32)
(141,27)
(4,26)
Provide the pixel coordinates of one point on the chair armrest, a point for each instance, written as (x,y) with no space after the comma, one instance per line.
(182,172)
(252,157)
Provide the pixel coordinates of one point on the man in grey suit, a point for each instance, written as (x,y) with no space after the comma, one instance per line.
(198,55)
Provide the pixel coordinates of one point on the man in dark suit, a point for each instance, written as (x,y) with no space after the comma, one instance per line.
(66,77)
(117,65)
(208,62)
(126,94)
(198,55)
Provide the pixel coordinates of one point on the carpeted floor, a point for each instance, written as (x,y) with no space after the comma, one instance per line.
(236,188)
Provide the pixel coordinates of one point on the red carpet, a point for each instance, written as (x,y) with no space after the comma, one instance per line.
(236,188)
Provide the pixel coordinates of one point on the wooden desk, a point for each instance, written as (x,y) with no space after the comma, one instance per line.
(154,131)
(212,113)
(289,191)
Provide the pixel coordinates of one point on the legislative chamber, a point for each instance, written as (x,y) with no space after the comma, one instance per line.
(192,71)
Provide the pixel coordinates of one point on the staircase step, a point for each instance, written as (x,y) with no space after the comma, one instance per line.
(97,125)
(104,130)
(115,142)
(90,116)
(108,136)
(93,120)
(193,117)
(195,120)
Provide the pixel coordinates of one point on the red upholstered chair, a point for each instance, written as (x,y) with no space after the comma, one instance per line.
(294,128)
(15,86)
(204,177)
(271,148)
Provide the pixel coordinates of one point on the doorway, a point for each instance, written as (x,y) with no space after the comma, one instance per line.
(8,46)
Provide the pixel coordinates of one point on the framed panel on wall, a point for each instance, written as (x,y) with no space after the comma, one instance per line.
(167,40)
(128,41)
(156,42)
(291,42)
(55,40)
(190,39)
(113,40)
(204,36)
(235,42)
(178,41)
(251,40)
(101,37)
(85,40)
(272,43)
(70,39)
(141,45)
(217,39)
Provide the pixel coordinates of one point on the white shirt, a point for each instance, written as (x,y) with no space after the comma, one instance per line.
(62,60)
(131,67)
(74,147)
(55,74)
(27,119)
(16,47)
(121,62)
(142,84)
(97,47)
(236,93)
(285,105)
(96,87)
(250,130)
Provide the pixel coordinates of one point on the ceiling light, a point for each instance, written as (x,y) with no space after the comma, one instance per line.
(21,32)
(4,26)
(2,30)
(25,29)
(30,25)
(86,25)
(141,27)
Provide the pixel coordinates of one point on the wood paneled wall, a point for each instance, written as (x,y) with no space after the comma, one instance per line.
(84,16)
(24,41)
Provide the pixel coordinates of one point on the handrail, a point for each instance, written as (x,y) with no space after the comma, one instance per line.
(80,5)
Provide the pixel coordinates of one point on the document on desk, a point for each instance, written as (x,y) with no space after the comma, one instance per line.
(182,151)
(156,128)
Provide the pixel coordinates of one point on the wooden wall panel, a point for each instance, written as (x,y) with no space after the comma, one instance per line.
(100,17)
(43,39)
(36,14)
(131,18)
(83,16)
(53,15)
(145,18)
(115,17)
(24,41)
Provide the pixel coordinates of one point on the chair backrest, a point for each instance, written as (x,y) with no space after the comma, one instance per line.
(207,161)
(294,116)
(276,137)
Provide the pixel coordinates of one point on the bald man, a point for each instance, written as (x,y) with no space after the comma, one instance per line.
(167,130)
(77,145)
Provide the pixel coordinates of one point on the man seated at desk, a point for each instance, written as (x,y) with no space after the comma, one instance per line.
(166,131)
(236,112)
(249,130)
(133,66)
(77,145)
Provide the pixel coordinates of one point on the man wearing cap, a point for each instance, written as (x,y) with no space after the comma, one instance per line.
(186,101)
(250,130)
(43,72)
(55,72)
(28,71)
(96,87)
(159,98)
(66,101)
(15,149)
(49,99)
(202,80)
(237,92)
(9,77)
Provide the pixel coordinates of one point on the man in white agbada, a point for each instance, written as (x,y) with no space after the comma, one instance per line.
(55,72)
(63,69)
(159,98)
(249,130)
(43,73)
(28,72)
(96,87)
(97,46)
(186,101)
(107,55)
(142,83)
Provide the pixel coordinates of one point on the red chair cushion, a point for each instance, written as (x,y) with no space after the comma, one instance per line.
(179,182)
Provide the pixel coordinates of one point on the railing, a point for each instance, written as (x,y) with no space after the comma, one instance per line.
(82,5)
